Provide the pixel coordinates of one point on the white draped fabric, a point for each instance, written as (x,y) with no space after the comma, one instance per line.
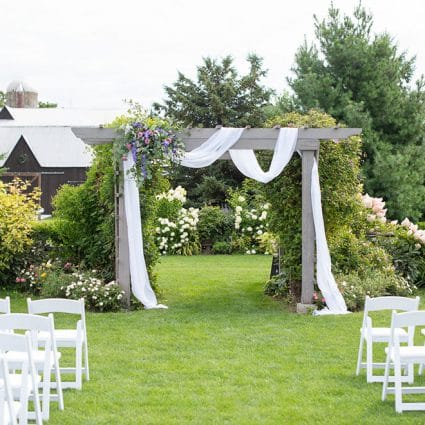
(325,279)
(211,150)
(245,160)
(140,285)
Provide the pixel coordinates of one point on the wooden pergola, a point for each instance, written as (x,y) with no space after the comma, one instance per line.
(308,144)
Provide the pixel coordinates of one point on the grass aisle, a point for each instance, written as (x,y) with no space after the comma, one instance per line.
(223,354)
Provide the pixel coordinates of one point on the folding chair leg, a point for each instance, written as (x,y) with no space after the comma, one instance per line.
(386,377)
(78,366)
(86,361)
(410,373)
(397,387)
(45,411)
(369,361)
(360,355)
(59,386)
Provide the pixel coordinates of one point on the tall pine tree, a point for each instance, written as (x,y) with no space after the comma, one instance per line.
(363,80)
(219,96)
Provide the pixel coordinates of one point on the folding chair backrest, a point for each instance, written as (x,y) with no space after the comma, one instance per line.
(14,342)
(23,321)
(55,305)
(408,319)
(5,305)
(391,303)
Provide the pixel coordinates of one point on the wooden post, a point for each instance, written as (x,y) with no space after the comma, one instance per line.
(308,234)
(122,263)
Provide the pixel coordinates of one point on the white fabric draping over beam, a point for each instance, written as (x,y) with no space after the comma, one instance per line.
(325,279)
(245,160)
(138,273)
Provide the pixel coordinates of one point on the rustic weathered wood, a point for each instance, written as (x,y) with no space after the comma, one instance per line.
(253,138)
(308,234)
(122,257)
(308,145)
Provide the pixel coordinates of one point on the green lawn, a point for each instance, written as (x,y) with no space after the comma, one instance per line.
(223,354)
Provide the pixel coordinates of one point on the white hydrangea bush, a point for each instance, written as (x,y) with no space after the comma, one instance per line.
(177,233)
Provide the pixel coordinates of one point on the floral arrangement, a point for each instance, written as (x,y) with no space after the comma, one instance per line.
(150,145)
(177,230)
(98,296)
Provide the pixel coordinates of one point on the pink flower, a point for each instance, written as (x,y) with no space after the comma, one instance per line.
(124,158)
(18,279)
(128,146)
(315,297)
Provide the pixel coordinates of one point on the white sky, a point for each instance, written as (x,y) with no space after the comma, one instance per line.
(95,53)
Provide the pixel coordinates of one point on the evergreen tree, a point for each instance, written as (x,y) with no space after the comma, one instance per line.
(219,96)
(363,80)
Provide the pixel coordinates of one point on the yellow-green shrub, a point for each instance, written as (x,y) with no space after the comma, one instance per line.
(18,211)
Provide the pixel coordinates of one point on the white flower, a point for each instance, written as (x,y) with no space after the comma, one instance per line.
(241,199)
(249,229)
(238,209)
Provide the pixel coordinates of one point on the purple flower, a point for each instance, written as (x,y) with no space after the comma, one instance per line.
(137,125)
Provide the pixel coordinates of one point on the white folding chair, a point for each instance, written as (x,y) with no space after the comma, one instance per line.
(46,361)
(5,305)
(398,355)
(74,338)
(370,334)
(23,385)
(8,407)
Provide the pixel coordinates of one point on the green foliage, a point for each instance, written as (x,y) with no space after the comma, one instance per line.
(355,287)
(222,247)
(18,210)
(339,180)
(219,96)
(215,225)
(352,252)
(408,255)
(363,80)
(85,216)
(47,105)
(2,98)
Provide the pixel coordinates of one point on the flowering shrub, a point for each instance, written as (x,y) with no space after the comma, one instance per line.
(97,295)
(177,231)
(34,277)
(405,242)
(354,287)
(251,224)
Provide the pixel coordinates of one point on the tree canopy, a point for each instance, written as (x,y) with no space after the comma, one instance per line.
(219,96)
(362,79)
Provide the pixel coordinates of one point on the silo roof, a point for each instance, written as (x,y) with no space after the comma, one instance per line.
(20,86)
